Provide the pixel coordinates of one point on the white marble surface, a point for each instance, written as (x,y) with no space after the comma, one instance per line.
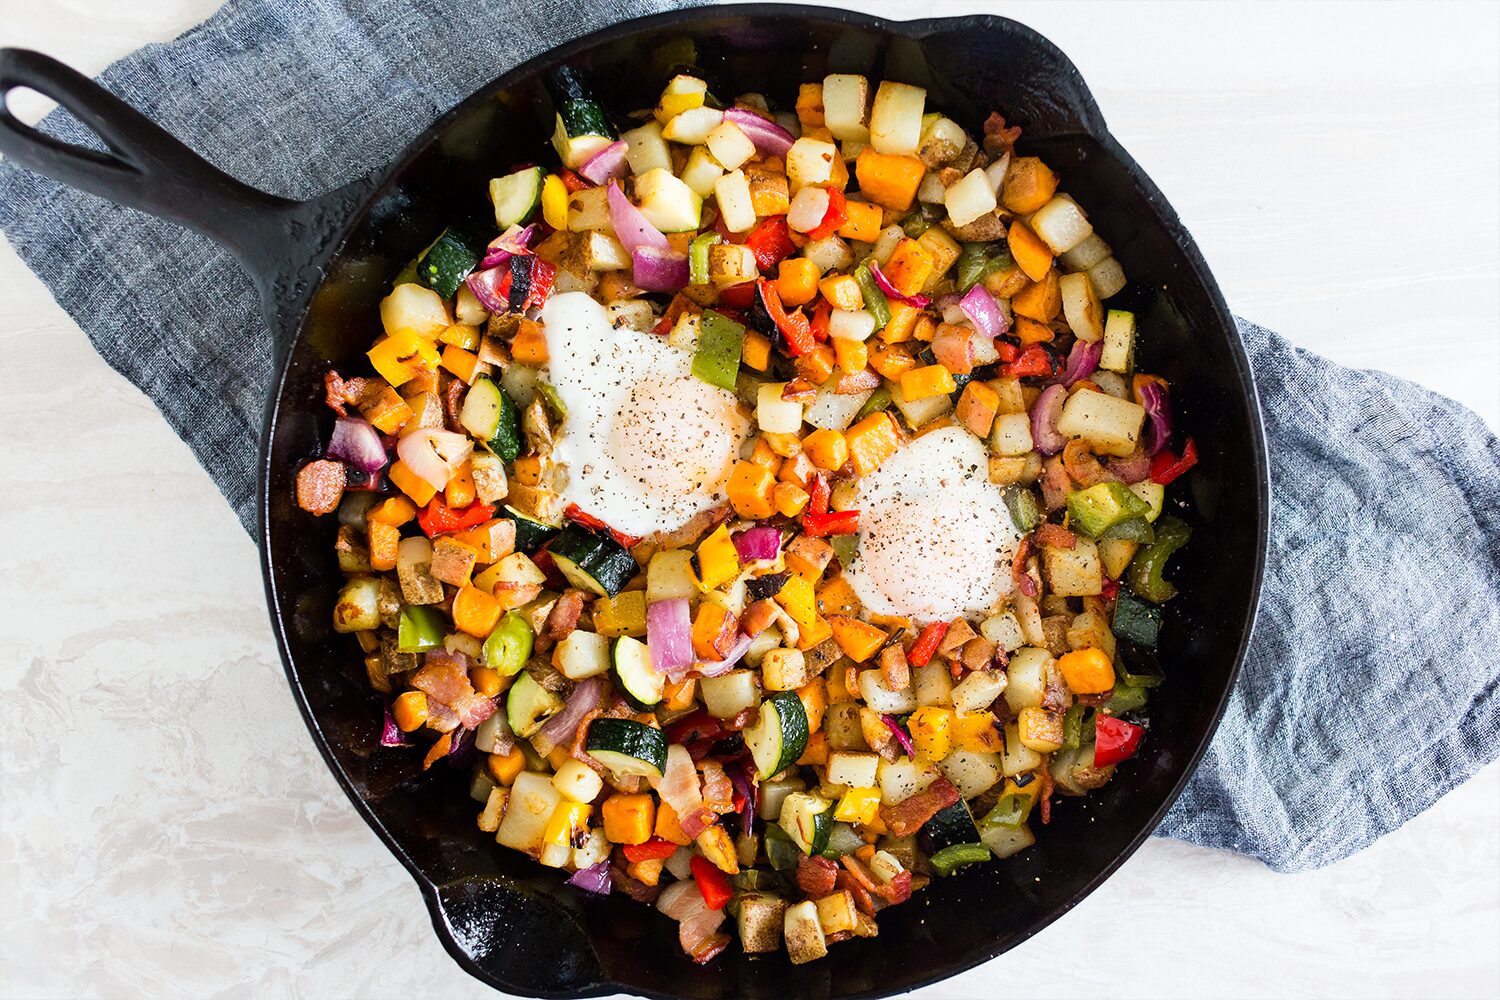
(166,829)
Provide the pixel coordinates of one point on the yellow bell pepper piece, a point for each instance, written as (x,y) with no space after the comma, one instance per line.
(396,357)
(931,732)
(975,732)
(718,560)
(859,805)
(568,819)
(800,602)
(555,203)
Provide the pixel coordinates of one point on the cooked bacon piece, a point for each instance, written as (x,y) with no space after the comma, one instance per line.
(679,788)
(907,817)
(444,678)
(320,486)
(453,400)
(997,138)
(333,393)
(816,876)
(864,900)
(1055,536)
(1024,581)
(758,617)
(1046,794)
(850,383)
(718,790)
(1055,484)
(745,718)
(563,618)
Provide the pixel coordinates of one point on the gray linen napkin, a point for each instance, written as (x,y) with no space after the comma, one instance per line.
(1370,689)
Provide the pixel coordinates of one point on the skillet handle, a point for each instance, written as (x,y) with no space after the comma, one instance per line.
(146,167)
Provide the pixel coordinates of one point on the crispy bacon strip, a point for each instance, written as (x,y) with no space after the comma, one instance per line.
(1055,536)
(563,618)
(997,138)
(816,876)
(906,817)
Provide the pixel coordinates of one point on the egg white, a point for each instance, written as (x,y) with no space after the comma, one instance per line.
(645,444)
(935,537)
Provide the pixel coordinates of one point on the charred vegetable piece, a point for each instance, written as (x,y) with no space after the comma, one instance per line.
(592,560)
(628,747)
(1136,620)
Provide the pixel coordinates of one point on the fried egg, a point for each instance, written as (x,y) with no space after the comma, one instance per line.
(935,537)
(645,445)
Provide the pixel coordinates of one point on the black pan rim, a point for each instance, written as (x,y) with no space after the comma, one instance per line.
(382,178)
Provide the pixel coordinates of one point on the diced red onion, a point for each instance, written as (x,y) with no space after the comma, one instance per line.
(595,878)
(1044,413)
(718,668)
(669,634)
(460,749)
(631,227)
(357,442)
(513,241)
(485,285)
(1159,413)
(900,734)
(770,139)
(920,301)
(658,270)
(435,454)
(607,164)
(1083,359)
(979,305)
(562,727)
(753,544)
(1131,469)
(390,733)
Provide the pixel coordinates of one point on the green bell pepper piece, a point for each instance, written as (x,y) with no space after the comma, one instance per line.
(508,647)
(915,225)
(1133,529)
(1073,726)
(977,261)
(720,342)
(1136,620)
(1024,512)
(421,628)
(876,304)
(1125,699)
(845,546)
(1013,806)
(955,856)
(698,257)
(1095,510)
(879,400)
(1144,575)
(553,401)
(780,851)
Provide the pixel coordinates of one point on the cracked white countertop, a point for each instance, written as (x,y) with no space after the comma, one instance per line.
(167,830)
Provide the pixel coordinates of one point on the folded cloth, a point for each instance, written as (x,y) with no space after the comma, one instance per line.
(1370,687)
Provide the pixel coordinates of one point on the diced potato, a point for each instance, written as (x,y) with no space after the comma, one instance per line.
(896,118)
(831,254)
(932,684)
(902,778)
(670,575)
(582,654)
(731,264)
(1115,554)
(691,128)
(702,171)
(775,415)
(1119,341)
(577,782)
(1005,841)
(1086,254)
(668,203)
(846,104)
(810,162)
(836,912)
(358,606)
(803,933)
(969,198)
(857,770)
(730,145)
(588,211)
(1011,434)
(1061,224)
(601,252)
(1039,729)
(1110,425)
(784,669)
(979,688)
(532,802)
(942,140)
(1081,307)
(732,192)
(1027,677)
(808,209)
(1016,757)
(943,249)
(878,695)
(729,694)
(1074,572)
(972,773)
(760,920)
(646,149)
(842,725)
(1108,277)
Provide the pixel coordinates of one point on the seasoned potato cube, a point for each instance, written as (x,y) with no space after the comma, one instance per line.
(760,922)
(1061,224)
(1109,424)
(731,264)
(784,670)
(1074,572)
(846,106)
(836,912)
(803,933)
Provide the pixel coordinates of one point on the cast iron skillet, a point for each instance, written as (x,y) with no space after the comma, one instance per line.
(322,266)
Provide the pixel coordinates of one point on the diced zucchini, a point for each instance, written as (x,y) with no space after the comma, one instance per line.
(491,417)
(528,705)
(583,128)
(444,265)
(516,196)
(808,820)
(779,736)
(592,560)
(628,747)
(1119,341)
(636,679)
(951,825)
(1004,841)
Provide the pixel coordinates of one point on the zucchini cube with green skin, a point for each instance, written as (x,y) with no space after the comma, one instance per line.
(808,820)
(628,747)
(528,705)
(1095,510)
(779,736)
(635,678)
(592,560)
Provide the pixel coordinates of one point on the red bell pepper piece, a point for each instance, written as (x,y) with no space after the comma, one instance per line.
(796,329)
(713,883)
(578,515)
(572,181)
(1031,361)
(839,522)
(771,242)
(1110,590)
(927,643)
(1007,350)
(817,494)
(822,312)
(699,725)
(836,216)
(437,518)
(1115,740)
(1166,466)
(543,276)
(654,849)
(738,296)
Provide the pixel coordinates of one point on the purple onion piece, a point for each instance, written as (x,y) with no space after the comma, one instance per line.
(900,734)
(390,733)
(658,270)
(980,306)
(1044,413)
(1083,361)
(770,139)
(357,442)
(631,227)
(718,668)
(486,288)
(758,543)
(1159,416)
(606,165)
(920,301)
(562,727)
(669,634)
(595,878)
